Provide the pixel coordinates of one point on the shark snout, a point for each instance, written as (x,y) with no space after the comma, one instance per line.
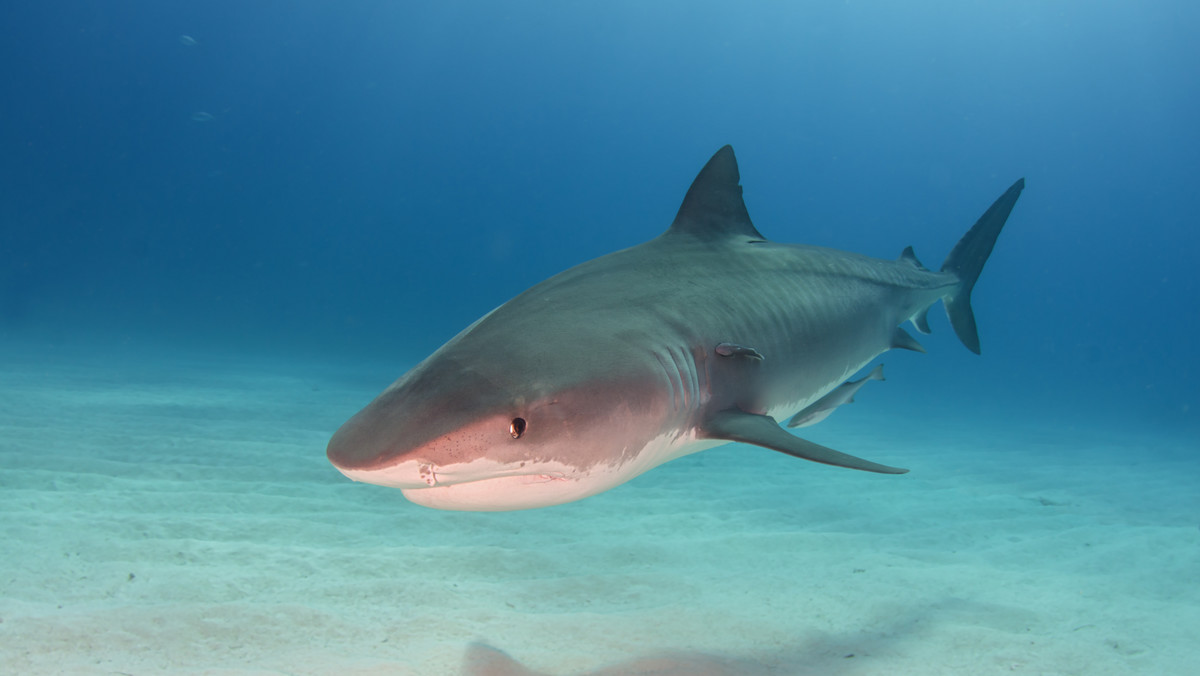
(387,445)
(408,469)
(376,460)
(369,440)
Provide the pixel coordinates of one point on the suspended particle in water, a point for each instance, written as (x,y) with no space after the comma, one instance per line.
(201,116)
(188,41)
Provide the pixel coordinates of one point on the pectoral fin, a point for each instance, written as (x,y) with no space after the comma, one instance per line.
(761,430)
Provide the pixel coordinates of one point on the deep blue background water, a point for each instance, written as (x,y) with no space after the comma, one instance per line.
(366,178)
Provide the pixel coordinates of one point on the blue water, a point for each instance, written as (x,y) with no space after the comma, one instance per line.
(329,182)
(376,175)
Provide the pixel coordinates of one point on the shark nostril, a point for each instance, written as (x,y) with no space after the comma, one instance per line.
(517,428)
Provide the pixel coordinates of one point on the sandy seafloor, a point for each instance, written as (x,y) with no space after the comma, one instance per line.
(170,511)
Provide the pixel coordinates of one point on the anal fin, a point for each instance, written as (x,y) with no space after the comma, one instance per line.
(761,430)
(921,321)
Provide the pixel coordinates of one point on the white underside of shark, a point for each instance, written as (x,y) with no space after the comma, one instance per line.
(506,487)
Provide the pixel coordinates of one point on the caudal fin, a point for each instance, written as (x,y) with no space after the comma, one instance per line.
(967,259)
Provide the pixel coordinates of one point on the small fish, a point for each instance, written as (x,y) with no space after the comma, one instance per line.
(201,116)
(842,394)
(187,41)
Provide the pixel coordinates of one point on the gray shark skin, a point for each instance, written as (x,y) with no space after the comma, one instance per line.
(704,335)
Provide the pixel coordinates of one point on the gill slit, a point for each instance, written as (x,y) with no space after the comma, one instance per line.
(673,385)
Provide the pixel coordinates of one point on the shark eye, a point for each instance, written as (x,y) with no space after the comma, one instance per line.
(517,428)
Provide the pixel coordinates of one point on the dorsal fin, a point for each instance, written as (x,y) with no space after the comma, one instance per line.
(713,207)
(909,256)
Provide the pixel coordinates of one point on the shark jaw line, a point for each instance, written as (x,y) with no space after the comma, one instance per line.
(488,486)
(420,475)
(505,493)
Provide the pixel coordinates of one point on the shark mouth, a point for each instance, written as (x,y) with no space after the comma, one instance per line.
(484,485)
(505,493)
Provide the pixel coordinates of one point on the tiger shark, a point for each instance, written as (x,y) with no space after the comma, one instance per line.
(705,335)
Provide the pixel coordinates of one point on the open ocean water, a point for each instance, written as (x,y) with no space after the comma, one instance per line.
(226,226)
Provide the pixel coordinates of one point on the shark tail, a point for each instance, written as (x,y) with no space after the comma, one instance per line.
(966,262)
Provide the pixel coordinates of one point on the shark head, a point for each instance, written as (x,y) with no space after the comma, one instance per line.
(465,430)
(569,389)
